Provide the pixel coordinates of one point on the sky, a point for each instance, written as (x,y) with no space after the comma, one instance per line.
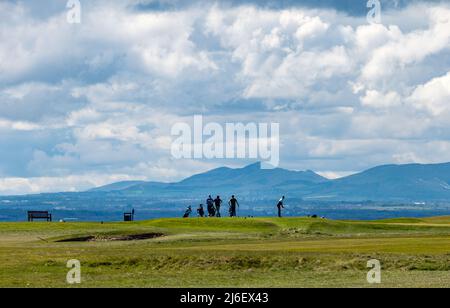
(82,105)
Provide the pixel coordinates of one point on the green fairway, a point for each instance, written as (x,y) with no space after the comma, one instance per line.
(256,252)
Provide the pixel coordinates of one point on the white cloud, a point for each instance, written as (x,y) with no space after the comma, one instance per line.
(332,175)
(155,42)
(434,96)
(298,73)
(410,48)
(19,186)
(37,101)
(375,99)
(272,48)
(18,125)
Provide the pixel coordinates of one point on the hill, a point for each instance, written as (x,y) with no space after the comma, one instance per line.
(396,183)
(413,182)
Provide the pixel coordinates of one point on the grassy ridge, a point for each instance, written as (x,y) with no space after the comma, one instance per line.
(259,252)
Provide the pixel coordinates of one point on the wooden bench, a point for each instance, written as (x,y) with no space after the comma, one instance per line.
(32,215)
(128,216)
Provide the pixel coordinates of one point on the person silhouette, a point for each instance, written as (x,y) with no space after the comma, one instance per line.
(233,203)
(188,212)
(218,203)
(201,211)
(280,206)
(210,205)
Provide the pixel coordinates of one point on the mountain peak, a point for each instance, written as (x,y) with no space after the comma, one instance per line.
(254,166)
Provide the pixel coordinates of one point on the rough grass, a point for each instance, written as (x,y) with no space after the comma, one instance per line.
(260,252)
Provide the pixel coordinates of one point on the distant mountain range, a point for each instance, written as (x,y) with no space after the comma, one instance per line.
(251,181)
(413,182)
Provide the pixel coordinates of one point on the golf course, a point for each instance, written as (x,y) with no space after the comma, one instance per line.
(228,252)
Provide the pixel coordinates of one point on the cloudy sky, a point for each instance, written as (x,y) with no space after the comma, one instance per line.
(86,104)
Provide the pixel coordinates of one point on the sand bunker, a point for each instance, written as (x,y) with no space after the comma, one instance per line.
(113,238)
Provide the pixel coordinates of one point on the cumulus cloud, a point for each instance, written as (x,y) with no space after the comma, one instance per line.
(409,48)
(18,125)
(37,101)
(434,96)
(20,186)
(375,99)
